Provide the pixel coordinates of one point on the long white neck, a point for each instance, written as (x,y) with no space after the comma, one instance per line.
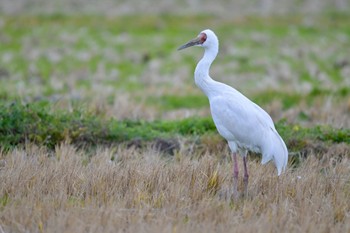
(201,74)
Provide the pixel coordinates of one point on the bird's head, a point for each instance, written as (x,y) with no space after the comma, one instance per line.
(206,39)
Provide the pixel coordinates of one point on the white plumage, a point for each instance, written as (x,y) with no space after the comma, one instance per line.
(245,125)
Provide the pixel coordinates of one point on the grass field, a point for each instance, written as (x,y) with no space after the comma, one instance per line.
(102,128)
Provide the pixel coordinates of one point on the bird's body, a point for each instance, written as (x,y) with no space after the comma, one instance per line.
(244,125)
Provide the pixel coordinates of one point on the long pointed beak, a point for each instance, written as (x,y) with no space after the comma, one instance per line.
(195,41)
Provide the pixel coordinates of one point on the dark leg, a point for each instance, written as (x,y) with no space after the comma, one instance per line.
(246,176)
(235,175)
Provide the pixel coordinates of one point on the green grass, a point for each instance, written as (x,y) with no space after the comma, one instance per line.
(167,102)
(288,99)
(291,99)
(132,46)
(89,104)
(35,123)
(89,60)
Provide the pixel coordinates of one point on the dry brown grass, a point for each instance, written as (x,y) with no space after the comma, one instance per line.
(143,191)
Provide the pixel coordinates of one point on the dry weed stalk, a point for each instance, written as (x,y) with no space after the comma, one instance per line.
(131,190)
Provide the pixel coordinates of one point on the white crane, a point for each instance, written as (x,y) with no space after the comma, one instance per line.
(244,125)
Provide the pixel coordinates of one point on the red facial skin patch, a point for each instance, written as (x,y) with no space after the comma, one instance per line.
(203,37)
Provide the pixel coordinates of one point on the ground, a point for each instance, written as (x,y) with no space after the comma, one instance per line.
(102,128)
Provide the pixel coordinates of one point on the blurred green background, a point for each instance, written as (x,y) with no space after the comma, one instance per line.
(118,58)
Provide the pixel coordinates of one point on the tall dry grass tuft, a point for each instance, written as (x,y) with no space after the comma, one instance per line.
(131,190)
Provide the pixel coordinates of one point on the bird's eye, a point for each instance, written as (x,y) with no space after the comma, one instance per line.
(203,37)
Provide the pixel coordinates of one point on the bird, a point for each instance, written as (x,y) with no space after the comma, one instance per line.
(244,124)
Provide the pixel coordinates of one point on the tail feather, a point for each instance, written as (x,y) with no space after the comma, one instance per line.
(275,149)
